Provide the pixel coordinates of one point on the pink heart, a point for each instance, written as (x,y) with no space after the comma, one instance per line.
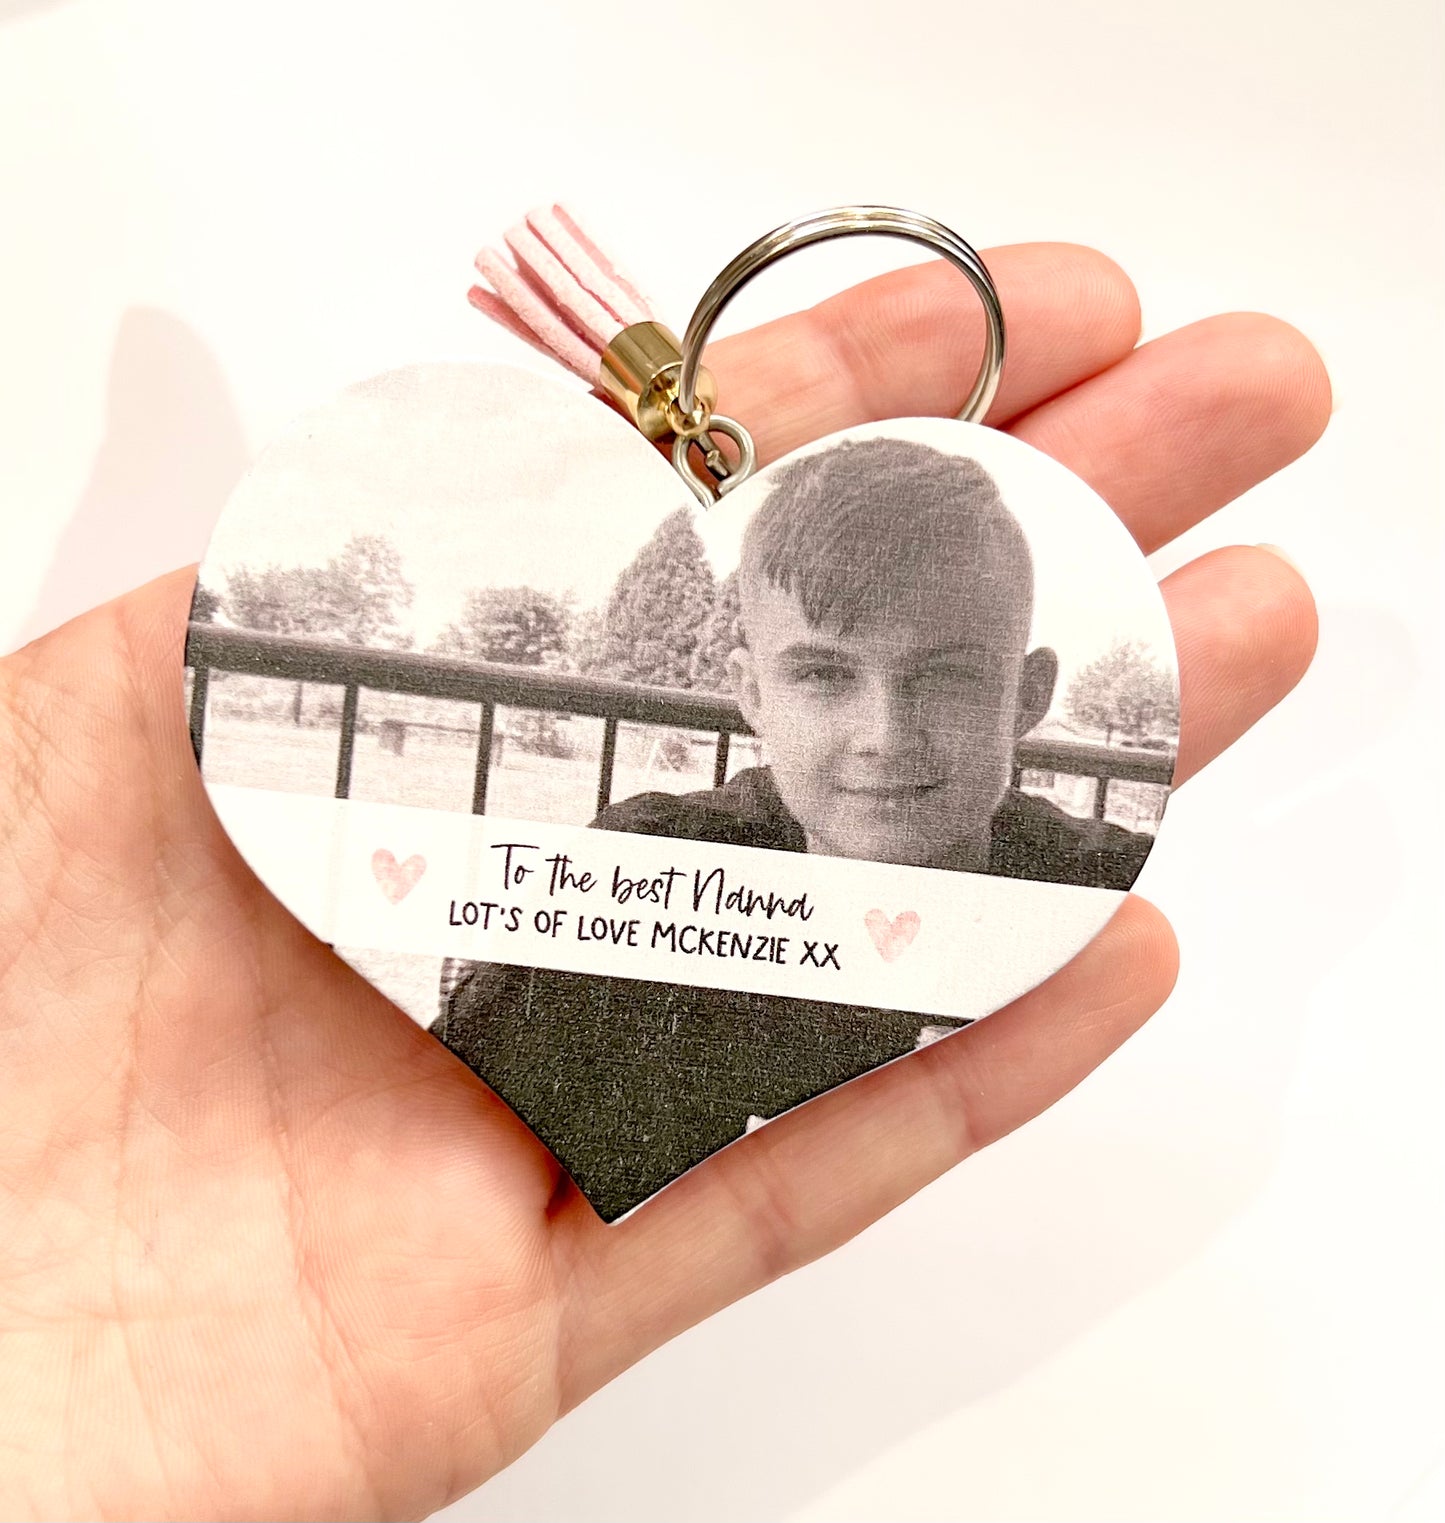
(397,879)
(892,937)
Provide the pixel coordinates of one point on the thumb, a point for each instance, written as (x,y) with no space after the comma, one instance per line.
(97,779)
(106,686)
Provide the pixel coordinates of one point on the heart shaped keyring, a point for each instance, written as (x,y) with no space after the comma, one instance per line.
(671,793)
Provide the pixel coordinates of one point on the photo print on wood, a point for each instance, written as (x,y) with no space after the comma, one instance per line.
(667,819)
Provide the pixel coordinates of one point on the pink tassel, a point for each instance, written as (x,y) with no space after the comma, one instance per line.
(565,297)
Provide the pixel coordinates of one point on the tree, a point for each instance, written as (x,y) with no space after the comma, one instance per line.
(519,626)
(657,607)
(205,605)
(717,638)
(360,593)
(1125,691)
(584,643)
(274,600)
(355,596)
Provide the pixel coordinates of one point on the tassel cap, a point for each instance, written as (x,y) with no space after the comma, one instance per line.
(639,375)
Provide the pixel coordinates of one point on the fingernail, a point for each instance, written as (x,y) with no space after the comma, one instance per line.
(1284,555)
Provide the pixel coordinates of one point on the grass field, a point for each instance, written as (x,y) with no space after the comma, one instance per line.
(435,771)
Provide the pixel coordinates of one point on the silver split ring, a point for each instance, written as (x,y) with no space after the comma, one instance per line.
(820,227)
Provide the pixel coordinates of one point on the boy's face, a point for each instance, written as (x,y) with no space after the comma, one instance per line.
(894,742)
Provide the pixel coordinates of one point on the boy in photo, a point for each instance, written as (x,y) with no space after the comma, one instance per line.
(886,594)
(882,656)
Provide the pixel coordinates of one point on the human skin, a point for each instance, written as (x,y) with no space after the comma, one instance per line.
(267,1249)
(893,741)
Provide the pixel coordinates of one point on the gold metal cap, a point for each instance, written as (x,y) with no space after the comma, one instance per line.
(640,370)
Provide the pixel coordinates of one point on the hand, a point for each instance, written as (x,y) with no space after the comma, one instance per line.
(266,1247)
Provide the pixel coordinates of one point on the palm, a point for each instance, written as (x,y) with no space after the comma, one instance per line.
(266,1246)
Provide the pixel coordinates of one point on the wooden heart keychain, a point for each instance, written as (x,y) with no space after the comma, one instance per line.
(667,791)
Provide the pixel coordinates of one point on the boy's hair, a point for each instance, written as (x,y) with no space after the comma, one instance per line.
(847,530)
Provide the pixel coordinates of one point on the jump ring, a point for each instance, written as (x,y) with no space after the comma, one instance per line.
(706,493)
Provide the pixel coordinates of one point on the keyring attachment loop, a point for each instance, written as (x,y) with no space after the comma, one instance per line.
(727,474)
(820,227)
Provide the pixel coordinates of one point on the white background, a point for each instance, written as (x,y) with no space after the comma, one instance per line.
(1208,1285)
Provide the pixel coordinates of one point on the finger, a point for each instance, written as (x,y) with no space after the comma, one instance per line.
(909,344)
(102,793)
(157,863)
(1245,630)
(1245,627)
(108,682)
(1186,423)
(816,1176)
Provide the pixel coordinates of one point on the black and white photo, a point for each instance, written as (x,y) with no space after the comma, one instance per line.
(918,655)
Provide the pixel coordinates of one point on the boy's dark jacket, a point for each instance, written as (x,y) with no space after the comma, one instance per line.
(630,1082)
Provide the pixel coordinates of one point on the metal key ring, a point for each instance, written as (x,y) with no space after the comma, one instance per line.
(839,222)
